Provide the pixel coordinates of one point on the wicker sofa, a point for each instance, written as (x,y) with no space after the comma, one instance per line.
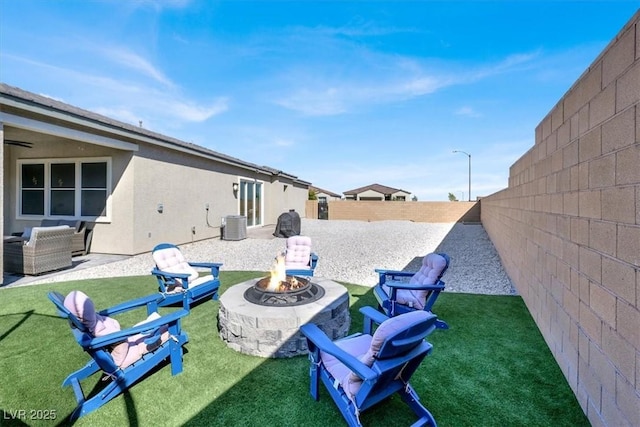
(48,249)
(78,239)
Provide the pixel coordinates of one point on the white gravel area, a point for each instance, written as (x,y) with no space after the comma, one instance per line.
(349,251)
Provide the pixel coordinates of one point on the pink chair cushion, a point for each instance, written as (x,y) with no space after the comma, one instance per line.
(124,353)
(171,260)
(432,267)
(298,252)
(366,348)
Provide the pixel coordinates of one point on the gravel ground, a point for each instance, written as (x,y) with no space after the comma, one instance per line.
(349,251)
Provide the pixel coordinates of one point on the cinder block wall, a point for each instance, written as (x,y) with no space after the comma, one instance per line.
(367,210)
(2,199)
(567,229)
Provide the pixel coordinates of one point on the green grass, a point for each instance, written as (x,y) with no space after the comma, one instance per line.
(490,368)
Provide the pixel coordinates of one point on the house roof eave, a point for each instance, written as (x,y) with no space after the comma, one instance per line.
(37,104)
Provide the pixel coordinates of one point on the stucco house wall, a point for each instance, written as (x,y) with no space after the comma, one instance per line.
(162,189)
(376,192)
(285,194)
(327,197)
(54,148)
(567,230)
(370,195)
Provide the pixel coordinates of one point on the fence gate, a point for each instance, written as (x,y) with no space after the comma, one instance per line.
(323,210)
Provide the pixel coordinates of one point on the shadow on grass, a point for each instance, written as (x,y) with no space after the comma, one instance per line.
(23,318)
(490,368)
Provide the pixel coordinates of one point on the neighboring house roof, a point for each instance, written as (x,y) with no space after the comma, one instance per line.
(320,190)
(382,189)
(15,97)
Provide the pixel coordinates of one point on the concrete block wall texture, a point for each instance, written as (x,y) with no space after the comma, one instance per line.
(2,196)
(366,210)
(567,229)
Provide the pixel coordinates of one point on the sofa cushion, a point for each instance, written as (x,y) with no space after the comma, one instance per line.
(49,223)
(75,224)
(35,231)
(26,234)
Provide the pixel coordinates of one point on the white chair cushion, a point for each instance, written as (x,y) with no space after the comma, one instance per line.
(124,353)
(200,280)
(366,348)
(432,267)
(171,260)
(298,252)
(357,346)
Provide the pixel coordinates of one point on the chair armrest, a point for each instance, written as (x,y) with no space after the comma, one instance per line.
(171,276)
(382,274)
(129,305)
(438,286)
(371,317)
(214,266)
(116,337)
(395,272)
(170,279)
(323,343)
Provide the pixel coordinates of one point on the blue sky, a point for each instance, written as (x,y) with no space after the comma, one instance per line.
(339,93)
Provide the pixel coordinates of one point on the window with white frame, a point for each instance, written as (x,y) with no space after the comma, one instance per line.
(76,188)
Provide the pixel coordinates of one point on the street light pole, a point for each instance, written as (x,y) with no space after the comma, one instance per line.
(468,155)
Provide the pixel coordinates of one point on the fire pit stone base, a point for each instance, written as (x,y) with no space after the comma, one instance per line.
(274,331)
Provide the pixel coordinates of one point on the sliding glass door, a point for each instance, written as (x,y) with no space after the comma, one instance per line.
(251,201)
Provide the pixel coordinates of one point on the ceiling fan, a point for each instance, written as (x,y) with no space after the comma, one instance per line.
(23,144)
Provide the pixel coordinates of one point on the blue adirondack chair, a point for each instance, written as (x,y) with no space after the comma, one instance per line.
(400,292)
(361,370)
(178,280)
(123,356)
(299,260)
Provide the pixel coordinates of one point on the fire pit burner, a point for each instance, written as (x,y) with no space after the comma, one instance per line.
(293,291)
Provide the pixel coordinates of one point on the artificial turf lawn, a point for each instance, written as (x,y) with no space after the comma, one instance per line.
(492,367)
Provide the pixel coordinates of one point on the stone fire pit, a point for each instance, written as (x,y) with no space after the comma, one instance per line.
(273,331)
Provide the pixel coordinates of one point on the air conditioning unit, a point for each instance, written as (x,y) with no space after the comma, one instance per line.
(235,227)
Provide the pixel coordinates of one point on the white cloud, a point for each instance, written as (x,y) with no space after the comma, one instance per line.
(315,102)
(126,98)
(157,5)
(135,62)
(467,111)
(192,112)
(375,79)
(281,142)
